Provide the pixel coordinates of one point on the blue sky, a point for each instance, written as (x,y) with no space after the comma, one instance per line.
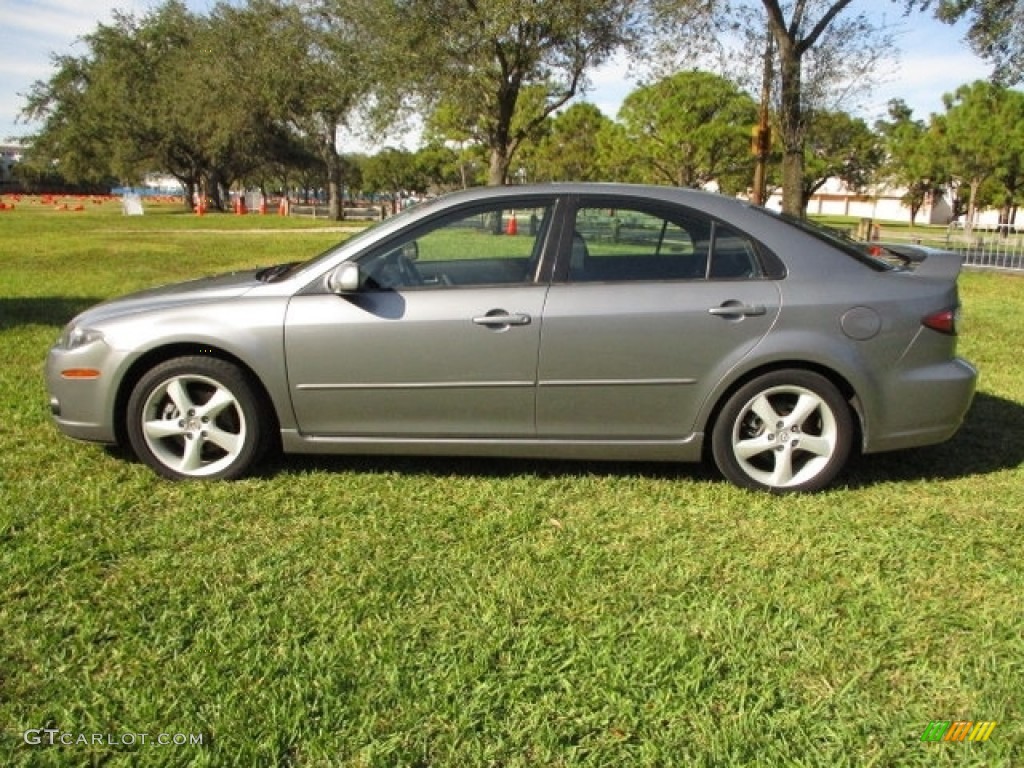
(932,59)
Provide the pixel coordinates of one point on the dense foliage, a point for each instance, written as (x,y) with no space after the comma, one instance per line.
(267,94)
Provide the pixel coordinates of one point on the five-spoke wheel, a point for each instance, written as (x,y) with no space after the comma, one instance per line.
(783,431)
(196,417)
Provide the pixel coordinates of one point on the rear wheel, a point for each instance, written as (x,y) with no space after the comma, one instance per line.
(783,431)
(196,417)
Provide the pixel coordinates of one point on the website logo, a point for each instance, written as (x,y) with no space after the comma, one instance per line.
(958,730)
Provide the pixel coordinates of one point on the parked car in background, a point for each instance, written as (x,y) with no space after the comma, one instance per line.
(571,321)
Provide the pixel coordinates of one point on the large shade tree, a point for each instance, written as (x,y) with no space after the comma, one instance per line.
(912,157)
(688,130)
(821,55)
(805,31)
(569,150)
(213,99)
(481,56)
(842,147)
(110,111)
(983,138)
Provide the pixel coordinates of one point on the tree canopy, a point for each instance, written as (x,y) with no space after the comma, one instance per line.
(268,91)
(689,130)
(500,67)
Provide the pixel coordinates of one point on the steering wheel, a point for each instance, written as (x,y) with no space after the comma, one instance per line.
(398,271)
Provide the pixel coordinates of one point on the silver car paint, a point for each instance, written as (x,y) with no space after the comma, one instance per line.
(594,377)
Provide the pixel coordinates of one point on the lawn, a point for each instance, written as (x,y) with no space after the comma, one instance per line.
(406,612)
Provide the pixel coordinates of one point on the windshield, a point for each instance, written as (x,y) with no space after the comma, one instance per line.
(284,271)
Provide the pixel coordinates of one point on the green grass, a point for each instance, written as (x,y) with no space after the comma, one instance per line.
(400,612)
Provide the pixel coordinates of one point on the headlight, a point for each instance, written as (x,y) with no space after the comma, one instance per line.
(73,337)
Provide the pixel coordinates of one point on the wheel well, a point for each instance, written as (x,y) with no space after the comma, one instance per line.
(162,354)
(840,383)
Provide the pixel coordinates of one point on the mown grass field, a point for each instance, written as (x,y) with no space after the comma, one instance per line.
(399,612)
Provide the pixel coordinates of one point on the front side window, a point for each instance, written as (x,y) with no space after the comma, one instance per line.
(613,244)
(496,245)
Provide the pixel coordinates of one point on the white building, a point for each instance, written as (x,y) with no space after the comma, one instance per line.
(10,155)
(881,203)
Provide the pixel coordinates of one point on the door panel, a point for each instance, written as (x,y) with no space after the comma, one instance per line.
(414,363)
(633,360)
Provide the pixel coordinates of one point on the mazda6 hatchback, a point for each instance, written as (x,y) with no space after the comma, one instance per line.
(568,321)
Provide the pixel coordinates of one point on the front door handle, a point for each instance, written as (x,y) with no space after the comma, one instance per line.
(499,318)
(736,309)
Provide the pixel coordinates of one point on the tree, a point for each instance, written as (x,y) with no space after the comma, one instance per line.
(690,129)
(1010,172)
(213,100)
(820,50)
(108,112)
(569,150)
(982,135)
(305,71)
(838,146)
(913,157)
(482,56)
(392,171)
(996,31)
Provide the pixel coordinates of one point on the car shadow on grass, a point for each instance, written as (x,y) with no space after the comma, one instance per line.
(490,467)
(987,442)
(41,310)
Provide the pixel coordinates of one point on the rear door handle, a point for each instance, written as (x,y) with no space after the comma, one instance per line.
(729,309)
(499,318)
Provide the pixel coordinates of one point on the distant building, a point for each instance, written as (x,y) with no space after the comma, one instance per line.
(882,203)
(10,156)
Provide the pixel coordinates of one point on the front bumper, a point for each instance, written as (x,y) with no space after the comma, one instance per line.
(82,407)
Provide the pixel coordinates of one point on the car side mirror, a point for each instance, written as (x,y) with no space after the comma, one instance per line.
(344,279)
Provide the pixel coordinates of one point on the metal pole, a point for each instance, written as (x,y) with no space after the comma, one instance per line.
(764,131)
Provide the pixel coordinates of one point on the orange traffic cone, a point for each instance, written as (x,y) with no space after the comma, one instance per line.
(512,228)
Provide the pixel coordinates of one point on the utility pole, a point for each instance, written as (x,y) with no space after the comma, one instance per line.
(762,135)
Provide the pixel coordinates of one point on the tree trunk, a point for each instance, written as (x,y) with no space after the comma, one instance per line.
(792,129)
(497,171)
(972,207)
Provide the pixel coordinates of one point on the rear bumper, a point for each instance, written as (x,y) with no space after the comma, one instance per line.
(924,407)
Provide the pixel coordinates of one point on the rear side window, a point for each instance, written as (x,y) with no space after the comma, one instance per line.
(862,252)
(632,244)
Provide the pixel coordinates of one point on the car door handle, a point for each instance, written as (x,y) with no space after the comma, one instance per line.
(500,318)
(735,309)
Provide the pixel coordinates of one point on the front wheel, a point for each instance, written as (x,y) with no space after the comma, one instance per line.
(196,418)
(783,431)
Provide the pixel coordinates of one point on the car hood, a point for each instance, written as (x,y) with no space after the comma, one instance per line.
(197,291)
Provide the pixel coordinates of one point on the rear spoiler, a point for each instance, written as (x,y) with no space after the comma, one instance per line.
(927,262)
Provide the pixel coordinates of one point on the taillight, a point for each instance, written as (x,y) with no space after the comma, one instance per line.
(944,321)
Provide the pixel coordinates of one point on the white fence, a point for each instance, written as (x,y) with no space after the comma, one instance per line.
(983,250)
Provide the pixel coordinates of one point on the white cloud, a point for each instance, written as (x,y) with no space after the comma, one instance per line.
(60,20)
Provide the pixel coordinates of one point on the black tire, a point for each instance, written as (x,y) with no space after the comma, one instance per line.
(785,431)
(195,418)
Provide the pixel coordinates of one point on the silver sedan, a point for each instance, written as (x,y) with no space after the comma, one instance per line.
(565,321)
